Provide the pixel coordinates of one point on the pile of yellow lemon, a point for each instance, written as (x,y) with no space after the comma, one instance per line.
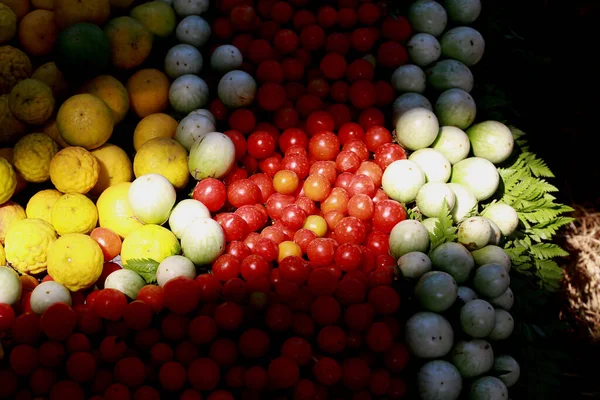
(53,133)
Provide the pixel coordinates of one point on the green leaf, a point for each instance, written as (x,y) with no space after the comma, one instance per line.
(545,251)
(146,267)
(444,230)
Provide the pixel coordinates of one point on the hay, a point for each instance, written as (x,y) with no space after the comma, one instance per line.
(582,273)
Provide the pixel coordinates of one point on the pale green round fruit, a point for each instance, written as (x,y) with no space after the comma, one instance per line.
(479,175)
(151,198)
(491,140)
(402,180)
(10,286)
(474,233)
(414,264)
(453,143)
(450,74)
(417,128)
(409,78)
(455,107)
(430,199)
(427,16)
(408,236)
(173,267)
(464,44)
(125,281)
(504,216)
(48,293)
(435,165)
(408,101)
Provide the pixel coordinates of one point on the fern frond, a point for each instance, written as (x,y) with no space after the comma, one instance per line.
(537,166)
(544,251)
(545,231)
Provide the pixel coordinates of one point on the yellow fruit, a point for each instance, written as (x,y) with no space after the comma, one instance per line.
(2,256)
(8,23)
(150,241)
(70,12)
(19,7)
(7,153)
(115,167)
(8,180)
(14,67)
(43,4)
(40,204)
(148,92)
(157,16)
(74,213)
(130,42)
(163,156)
(74,170)
(51,129)
(26,245)
(122,4)
(12,129)
(51,76)
(32,155)
(38,32)
(153,126)
(75,260)
(31,101)
(10,212)
(112,92)
(114,212)
(85,120)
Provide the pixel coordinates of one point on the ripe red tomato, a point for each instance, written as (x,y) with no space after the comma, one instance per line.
(333,66)
(286,41)
(312,37)
(363,94)
(211,192)
(109,241)
(391,55)
(270,96)
(243,18)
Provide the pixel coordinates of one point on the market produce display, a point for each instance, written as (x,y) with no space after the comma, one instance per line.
(247,199)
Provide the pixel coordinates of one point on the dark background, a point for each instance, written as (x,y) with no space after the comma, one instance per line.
(541,55)
(539,73)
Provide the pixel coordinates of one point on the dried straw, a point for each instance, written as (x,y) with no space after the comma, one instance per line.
(582,273)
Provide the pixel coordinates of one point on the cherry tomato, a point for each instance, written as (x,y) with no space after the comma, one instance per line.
(211,192)
(110,242)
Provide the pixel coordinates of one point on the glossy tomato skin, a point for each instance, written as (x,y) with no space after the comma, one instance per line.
(211,192)
(109,241)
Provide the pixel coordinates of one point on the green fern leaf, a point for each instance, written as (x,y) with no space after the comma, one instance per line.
(444,230)
(544,251)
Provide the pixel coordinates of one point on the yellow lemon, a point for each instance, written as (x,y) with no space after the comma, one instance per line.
(12,129)
(2,256)
(150,241)
(163,156)
(85,120)
(114,167)
(8,180)
(51,129)
(8,23)
(31,101)
(75,260)
(26,245)
(112,92)
(114,212)
(15,67)
(7,153)
(32,155)
(40,204)
(153,126)
(74,213)
(157,16)
(74,170)
(10,212)
(53,77)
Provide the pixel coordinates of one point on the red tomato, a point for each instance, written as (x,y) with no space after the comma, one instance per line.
(363,94)
(242,120)
(282,12)
(391,55)
(286,41)
(110,242)
(222,28)
(362,39)
(396,28)
(341,114)
(368,14)
(327,16)
(303,18)
(347,17)
(360,69)
(312,37)
(270,96)
(337,43)
(385,93)
(269,71)
(243,18)
(333,66)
